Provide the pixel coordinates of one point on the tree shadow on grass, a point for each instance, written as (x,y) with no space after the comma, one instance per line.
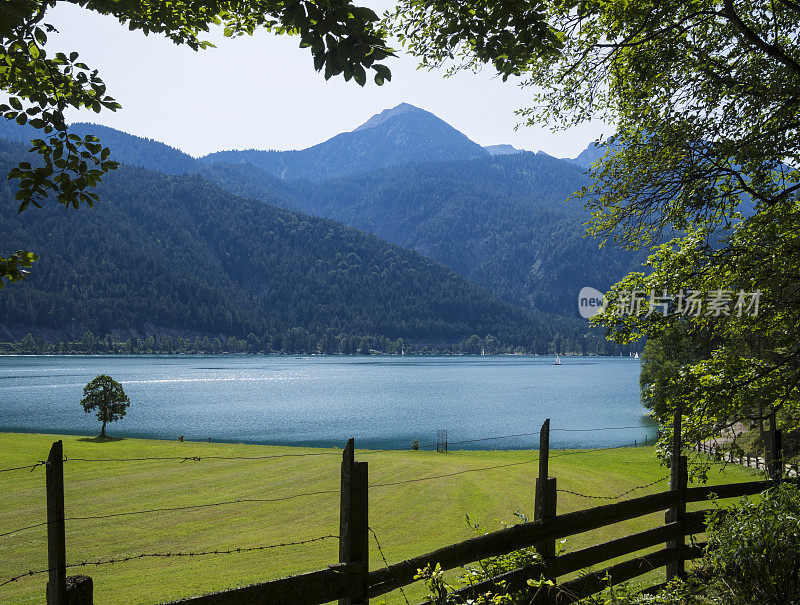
(100,439)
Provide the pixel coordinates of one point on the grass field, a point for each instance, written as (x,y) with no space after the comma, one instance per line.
(408,518)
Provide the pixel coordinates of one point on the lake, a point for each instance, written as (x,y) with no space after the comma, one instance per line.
(384,402)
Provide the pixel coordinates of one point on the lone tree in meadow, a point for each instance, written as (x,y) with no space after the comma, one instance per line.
(106,396)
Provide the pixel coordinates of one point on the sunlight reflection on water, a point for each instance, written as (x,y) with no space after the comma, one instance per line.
(382,401)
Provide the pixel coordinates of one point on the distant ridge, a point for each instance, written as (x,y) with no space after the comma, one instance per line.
(502,149)
(126,148)
(401,135)
(588,156)
(166,254)
(496,217)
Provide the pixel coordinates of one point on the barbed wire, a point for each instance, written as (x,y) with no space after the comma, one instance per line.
(536,434)
(22,468)
(578,452)
(496,466)
(182,459)
(492,438)
(722,462)
(385,562)
(601,428)
(177,508)
(16,531)
(454,473)
(304,494)
(618,496)
(175,554)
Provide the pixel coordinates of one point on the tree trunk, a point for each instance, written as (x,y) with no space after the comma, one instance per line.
(103,430)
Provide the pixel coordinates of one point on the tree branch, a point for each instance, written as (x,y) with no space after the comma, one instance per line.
(773,50)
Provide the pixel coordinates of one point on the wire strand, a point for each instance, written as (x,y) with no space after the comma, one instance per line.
(177,508)
(175,554)
(385,562)
(618,496)
(15,531)
(453,474)
(183,459)
(315,493)
(199,458)
(21,468)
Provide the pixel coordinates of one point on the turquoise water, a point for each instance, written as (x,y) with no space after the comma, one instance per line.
(383,402)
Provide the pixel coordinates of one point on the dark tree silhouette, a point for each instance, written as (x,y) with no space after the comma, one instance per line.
(106,396)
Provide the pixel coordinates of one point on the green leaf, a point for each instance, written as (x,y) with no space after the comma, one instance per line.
(359,75)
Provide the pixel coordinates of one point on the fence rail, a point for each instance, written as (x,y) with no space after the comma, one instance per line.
(742,459)
(350,582)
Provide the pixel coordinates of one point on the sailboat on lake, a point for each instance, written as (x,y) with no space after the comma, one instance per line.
(557,362)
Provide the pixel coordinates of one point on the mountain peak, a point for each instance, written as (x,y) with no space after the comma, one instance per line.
(593,152)
(503,149)
(401,135)
(386,114)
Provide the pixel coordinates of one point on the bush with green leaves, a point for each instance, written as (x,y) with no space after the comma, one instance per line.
(442,593)
(752,558)
(754,549)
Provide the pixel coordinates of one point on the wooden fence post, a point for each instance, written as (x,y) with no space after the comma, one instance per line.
(679,478)
(545,498)
(544,505)
(774,458)
(676,568)
(56,540)
(441,440)
(80,590)
(354,520)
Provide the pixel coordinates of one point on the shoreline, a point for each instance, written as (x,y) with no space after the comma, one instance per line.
(307,355)
(110,438)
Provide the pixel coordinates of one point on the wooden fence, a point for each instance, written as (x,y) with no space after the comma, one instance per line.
(742,459)
(351,582)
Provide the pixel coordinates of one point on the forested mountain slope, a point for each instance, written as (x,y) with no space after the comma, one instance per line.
(501,221)
(180,255)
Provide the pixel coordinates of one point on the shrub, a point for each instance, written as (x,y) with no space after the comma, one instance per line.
(441,593)
(754,549)
(752,558)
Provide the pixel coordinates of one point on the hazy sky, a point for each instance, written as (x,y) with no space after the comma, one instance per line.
(262,92)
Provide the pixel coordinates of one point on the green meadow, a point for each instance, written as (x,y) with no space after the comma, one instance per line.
(408,518)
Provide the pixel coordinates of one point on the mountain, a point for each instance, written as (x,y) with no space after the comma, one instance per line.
(502,222)
(165,254)
(499,220)
(400,135)
(139,151)
(126,148)
(588,156)
(502,149)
